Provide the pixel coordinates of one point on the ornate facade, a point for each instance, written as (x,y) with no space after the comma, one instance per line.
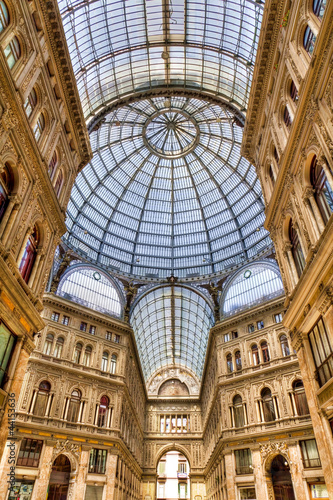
(99,399)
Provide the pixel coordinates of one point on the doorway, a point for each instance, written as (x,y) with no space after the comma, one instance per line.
(173,480)
(281,479)
(59,479)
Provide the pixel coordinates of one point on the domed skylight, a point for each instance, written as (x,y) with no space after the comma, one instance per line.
(167,192)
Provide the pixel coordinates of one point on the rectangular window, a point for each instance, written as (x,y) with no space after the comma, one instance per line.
(55,316)
(92,329)
(161,489)
(65,320)
(93,492)
(251,328)
(322,352)
(97,461)
(247,493)
(260,325)
(7,345)
(278,318)
(182,467)
(29,453)
(161,468)
(234,335)
(83,326)
(22,489)
(108,335)
(243,461)
(116,339)
(226,337)
(310,453)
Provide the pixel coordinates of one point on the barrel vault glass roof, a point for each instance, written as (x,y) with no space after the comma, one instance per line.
(171,326)
(121,47)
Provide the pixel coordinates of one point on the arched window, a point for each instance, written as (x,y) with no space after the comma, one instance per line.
(113,364)
(293,92)
(284,346)
(276,155)
(30,103)
(87,356)
(264,352)
(296,249)
(238,360)
(74,406)
(90,287)
(309,40)
(39,127)
(230,367)
(6,186)
(4,16)
(286,117)
(105,361)
(238,408)
(301,402)
(13,52)
(268,405)
(53,164)
(58,184)
(58,347)
(48,343)
(322,190)
(77,352)
(255,354)
(102,412)
(29,255)
(319,7)
(42,399)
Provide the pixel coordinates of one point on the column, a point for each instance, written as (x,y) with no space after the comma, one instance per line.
(32,406)
(109,417)
(96,414)
(312,216)
(323,439)
(24,244)
(5,466)
(296,468)
(15,387)
(35,268)
(291,263)
(80,480)
(9,209)
(230,473)
(293,403)
(45,467)
(110,472)
(49,399)
(259,475)
(245,414)
(275,407)
(315,209)
(261,411)
(66,408)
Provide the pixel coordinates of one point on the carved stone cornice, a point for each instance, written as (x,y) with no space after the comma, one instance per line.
(268,41)
(58,44)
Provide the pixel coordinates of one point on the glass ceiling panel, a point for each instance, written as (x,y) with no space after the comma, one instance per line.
(171,326)
(118,47)
(167,192)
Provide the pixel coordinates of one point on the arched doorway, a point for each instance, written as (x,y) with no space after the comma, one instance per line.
(281,479)
(173,481)
(59,479)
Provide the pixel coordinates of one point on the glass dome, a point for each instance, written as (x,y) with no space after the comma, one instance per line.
(167,192)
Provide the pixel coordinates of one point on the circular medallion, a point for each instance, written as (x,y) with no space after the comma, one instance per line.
(171,133)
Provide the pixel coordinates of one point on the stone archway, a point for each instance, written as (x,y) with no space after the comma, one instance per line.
(59,478)
(281,479)
(173,476)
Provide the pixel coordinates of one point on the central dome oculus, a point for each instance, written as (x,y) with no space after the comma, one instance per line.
(171,133)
